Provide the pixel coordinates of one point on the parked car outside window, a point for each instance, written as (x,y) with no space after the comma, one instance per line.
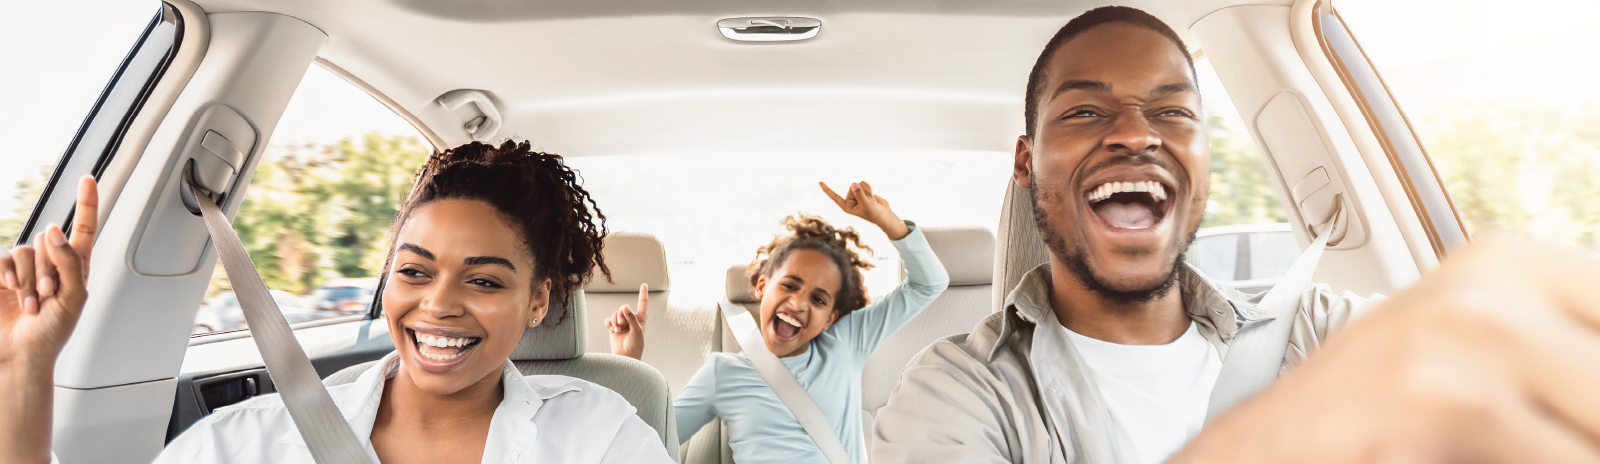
(1250,258)
(346,296)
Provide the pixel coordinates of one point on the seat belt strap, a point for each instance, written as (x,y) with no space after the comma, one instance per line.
(321,425)
(744,328)
(1255,357)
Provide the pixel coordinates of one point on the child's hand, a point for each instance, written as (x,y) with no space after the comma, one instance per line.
(627,327)
(860,202)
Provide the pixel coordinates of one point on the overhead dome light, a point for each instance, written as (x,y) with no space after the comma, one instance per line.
(769,29)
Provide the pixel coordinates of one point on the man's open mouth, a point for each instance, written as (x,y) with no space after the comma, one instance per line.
(439,348)
(1130,205)
(785,326)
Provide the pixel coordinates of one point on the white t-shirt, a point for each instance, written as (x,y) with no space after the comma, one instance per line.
(1157,394)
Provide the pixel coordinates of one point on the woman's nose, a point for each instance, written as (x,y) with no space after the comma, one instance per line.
(441,301)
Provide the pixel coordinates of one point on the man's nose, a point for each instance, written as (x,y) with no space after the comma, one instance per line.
(1132,133)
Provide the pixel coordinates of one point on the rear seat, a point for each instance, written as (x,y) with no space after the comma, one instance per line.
(968,256)
(677,339)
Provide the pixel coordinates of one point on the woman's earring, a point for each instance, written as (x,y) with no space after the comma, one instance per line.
(535,320)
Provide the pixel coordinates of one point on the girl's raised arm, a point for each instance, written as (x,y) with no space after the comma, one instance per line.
(860,202)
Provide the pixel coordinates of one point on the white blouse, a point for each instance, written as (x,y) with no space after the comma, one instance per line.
(543,418)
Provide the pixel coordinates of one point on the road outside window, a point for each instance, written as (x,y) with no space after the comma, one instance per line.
(1503,99)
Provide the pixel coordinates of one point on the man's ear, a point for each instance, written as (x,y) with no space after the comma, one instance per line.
(541,304)
(1022,162)
(760,288)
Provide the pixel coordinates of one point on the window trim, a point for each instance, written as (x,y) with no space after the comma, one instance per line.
(1419,177)
(49,195)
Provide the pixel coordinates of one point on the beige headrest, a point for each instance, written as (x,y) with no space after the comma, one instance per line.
(564,340)
(1018,246)
(634,258)
(967,253)
(738,286)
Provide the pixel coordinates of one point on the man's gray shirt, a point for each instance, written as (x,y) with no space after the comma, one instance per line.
(1006,393)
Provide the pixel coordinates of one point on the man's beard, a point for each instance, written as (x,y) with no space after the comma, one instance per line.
(1077,261)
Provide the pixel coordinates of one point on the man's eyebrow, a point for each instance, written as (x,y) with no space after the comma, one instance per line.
(1084,85)
(490,261)
(424,253)
(1170,89)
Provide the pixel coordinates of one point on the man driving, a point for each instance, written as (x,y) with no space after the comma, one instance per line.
(1109,352)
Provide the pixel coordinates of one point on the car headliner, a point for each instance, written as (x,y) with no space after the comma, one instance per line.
(586,78)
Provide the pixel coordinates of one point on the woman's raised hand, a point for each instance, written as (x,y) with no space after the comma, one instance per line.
(860,202)
(42,290)
(627,327)
(42,287)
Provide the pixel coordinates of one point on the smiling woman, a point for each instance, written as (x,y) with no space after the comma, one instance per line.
(491,236)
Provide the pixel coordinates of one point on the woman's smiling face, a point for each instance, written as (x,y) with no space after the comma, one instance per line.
(458,295)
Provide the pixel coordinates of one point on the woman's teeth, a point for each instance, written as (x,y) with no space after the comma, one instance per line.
(790,319)
(442,357)
(439,348)
(443,342)
(1108,189)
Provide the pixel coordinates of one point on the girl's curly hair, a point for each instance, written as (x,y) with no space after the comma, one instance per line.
(839,245)
(536,193)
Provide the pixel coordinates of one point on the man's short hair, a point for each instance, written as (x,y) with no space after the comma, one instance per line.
(1084,22)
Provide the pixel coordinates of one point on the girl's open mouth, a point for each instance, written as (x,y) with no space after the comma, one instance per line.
(785,327)
(439,353)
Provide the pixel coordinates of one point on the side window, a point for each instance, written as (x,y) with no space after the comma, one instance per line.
(316,216)
(1502,98)
(46,102)
(1242,202)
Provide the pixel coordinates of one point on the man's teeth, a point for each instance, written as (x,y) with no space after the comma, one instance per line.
(790,319)
(1108,189)
(443,342)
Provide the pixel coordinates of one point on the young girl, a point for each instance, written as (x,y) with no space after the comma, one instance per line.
(815,318)
(488,238)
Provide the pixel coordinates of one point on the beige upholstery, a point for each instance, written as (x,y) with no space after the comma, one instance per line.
(634,258)
(1018,248)
(558,349)
(968,256)
(559,337)
(739,292)
(677,338)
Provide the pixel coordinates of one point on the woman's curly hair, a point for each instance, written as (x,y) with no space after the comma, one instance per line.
(839,245)
(536,193)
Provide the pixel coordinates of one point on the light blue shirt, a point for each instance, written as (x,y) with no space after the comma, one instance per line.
(760,428)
